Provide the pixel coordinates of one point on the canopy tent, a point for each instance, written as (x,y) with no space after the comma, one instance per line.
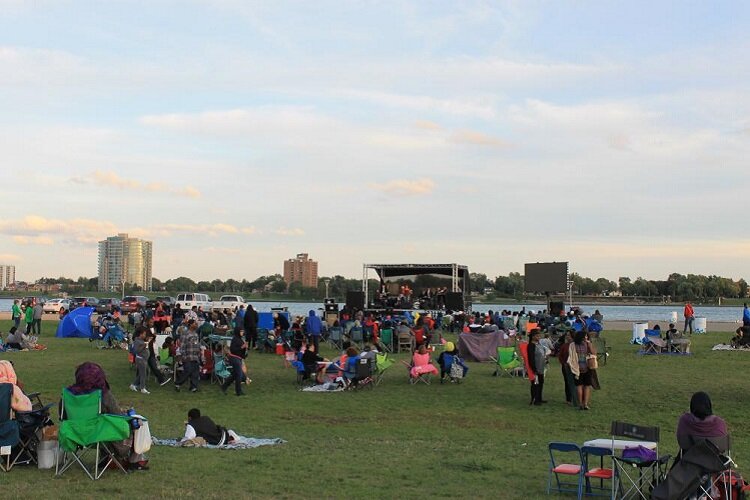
(77,323)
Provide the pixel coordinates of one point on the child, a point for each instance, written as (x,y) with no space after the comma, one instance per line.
(421,363)
(139,349)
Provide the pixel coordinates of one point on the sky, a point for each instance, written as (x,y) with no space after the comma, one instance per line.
(236,134)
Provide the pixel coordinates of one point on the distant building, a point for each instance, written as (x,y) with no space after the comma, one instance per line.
(7,276)
(124,259)
(301,269)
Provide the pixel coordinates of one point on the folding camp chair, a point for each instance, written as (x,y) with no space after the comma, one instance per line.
(84,429)
(386,339)
(723,481)
(357,335)
(382,363)
(425,378)
(405,341)
(575,468)
(9,433)
(599,472)
(30,426)
(634,478)
(653,343)
(364,374)
(336,337)
(221,371)
(507,361)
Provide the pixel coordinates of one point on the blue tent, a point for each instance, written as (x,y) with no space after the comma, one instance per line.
(77,323)
(265,319)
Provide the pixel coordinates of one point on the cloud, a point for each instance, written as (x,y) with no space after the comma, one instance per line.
(295,231)
(9,257)
(476,138)
(223,250)
(109,178)
(404,186)
(427,125)
(33,240)
(463,107)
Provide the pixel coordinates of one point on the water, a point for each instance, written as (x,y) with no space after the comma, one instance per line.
(610,312)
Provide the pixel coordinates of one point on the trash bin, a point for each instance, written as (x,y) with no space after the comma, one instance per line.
(699,325)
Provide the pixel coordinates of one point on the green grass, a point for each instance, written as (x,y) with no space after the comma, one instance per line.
(477,439)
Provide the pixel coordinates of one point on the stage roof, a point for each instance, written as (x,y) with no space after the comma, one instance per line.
(393,270)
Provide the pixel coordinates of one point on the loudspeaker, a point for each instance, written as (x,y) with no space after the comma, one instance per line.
(332,308)
(556,307)
(454,301)
(331,318)
(355,300)
(329,301)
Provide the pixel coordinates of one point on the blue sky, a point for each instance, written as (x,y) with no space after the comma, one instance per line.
(235,134)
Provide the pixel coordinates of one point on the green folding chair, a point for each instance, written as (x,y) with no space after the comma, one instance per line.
(84,429)
(383,362)
(386,339)
(507,361)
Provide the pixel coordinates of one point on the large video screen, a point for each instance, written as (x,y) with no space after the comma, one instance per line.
(545,277)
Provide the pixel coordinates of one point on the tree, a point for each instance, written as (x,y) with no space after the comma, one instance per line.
(278,286)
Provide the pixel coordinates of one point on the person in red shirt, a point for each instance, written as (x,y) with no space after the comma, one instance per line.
(689,314)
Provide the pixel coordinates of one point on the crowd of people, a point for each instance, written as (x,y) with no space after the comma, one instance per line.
(566,336)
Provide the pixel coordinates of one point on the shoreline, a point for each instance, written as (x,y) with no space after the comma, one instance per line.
(612,325)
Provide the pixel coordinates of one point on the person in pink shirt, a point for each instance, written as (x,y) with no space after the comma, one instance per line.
(421,363)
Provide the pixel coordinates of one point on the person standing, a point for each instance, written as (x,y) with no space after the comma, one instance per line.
(16,314)
(141,354)
(153,364)
(237,354)
(689,314)
(28,317)
(578,355)
(189,353)
(250,322)
(537,362)
(745,316)
(563,351)
(36,324)
(313,328)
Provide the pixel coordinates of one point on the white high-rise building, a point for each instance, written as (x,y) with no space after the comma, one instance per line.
(124,259)
(7,275)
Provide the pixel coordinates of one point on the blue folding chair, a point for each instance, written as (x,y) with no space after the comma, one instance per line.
(557,469)
(599,472)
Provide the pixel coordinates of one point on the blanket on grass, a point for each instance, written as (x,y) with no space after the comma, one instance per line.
(727,347)
(241,443)
(327,387)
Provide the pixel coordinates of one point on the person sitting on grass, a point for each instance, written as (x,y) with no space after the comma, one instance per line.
(90,377)
(421,363)
(201,426)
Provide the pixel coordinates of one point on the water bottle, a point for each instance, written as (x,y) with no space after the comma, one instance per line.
(134,422)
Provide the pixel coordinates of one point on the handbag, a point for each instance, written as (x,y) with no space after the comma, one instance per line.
(592,362)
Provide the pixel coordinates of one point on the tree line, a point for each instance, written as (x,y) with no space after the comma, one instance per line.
(677,287)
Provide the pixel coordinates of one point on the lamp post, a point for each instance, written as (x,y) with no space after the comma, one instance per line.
(327,282)
(122,288)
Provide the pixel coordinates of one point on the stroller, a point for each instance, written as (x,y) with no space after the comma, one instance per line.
(692,474)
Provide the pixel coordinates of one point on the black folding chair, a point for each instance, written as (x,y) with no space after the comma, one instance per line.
(635,478)
(30,426)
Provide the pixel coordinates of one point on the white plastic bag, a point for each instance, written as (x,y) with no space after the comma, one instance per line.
(142,438)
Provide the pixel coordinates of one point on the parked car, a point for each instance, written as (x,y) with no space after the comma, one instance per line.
(105,305)
(83,302)
(33,299)
(231,302)
(59,306)
(167,301)
(131,302)
(186,301)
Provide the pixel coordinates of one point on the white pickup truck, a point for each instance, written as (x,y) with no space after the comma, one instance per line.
(230,302)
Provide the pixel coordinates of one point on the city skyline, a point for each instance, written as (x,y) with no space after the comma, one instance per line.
(614,137)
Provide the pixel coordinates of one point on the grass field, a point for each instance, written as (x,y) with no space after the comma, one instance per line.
(477,439)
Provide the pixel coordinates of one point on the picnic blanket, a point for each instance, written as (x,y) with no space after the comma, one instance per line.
(727,347)
(327,387)
(241,443)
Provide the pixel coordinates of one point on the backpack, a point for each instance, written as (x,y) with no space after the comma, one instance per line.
(457,371)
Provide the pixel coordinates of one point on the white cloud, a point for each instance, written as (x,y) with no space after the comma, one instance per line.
(295,231)
(33,240)
(109,178)
(420,186)
(477,138)
(9,257)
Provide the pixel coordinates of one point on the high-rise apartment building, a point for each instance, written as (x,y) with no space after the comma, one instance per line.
(7,275)
(301,269)
(124,259)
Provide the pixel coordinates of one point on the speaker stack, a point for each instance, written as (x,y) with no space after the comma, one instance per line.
(454,301)
(355,300)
